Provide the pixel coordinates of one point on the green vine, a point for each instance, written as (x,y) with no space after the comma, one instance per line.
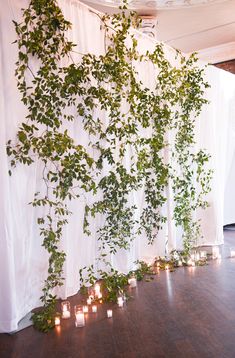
(113,283)
(66,165)
(139,121)
(191,182)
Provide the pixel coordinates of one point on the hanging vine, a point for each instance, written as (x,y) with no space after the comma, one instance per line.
(88,91)
(191,180)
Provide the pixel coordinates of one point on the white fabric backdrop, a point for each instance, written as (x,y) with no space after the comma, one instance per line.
(23,262)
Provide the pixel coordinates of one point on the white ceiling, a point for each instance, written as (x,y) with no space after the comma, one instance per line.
(189,25)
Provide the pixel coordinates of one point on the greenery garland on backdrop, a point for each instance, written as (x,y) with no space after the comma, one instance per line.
(55,94)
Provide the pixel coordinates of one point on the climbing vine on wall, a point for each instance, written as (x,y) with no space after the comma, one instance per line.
(139,120)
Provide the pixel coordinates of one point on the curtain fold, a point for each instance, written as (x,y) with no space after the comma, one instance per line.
(23,262)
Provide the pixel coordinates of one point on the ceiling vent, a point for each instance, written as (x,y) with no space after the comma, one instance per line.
(148,25)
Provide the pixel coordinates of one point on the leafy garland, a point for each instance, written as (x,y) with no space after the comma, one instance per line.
(114,284)
(55,95)
(191,183)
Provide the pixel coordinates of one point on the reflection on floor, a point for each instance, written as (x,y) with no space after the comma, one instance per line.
(189,313)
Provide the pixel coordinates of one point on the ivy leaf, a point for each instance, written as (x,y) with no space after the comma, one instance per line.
(22,136)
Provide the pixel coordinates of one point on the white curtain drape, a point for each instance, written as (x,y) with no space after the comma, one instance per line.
(23,262)
(215,132)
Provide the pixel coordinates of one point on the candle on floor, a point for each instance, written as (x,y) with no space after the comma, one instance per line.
(180,263)
(120,302)
(91,292)
(189,262)
(57,321)
(80,320)
(79,316)
(197,258)
(215,252)
(97,290)
(176,256)
(65,307)
(232,252)
(94,308)
(109,313)
(85,309)
(66,314)
(167,267)
(88,301)
(193,264)
(132,282)
(203,254)
(192,256)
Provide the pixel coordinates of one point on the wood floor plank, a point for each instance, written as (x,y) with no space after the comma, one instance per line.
(189,313)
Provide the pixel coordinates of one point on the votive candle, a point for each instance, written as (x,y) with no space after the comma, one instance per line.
(189,262)
(65,307)
(79,316)
(85,309)
(132,282)
(109,313)
(80,319)
(215,252)
(192,256)
(88,301)
(120,302)
(97,290)
(57,321)
(94,308)
(232,252)
(203,254)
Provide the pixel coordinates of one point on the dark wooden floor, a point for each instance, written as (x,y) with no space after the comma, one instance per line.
(189,313)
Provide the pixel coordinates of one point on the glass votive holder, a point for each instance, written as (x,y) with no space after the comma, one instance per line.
(232,252)
(215,252)
(203,254)
(89,300)
(132,281)
(197,256)
(91,292)
(79,316)
(57,321)
(189,262)
(97,290)
(85,309)
(65,308)
(109,313)
(193,256)
(94,308)
(120,301)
